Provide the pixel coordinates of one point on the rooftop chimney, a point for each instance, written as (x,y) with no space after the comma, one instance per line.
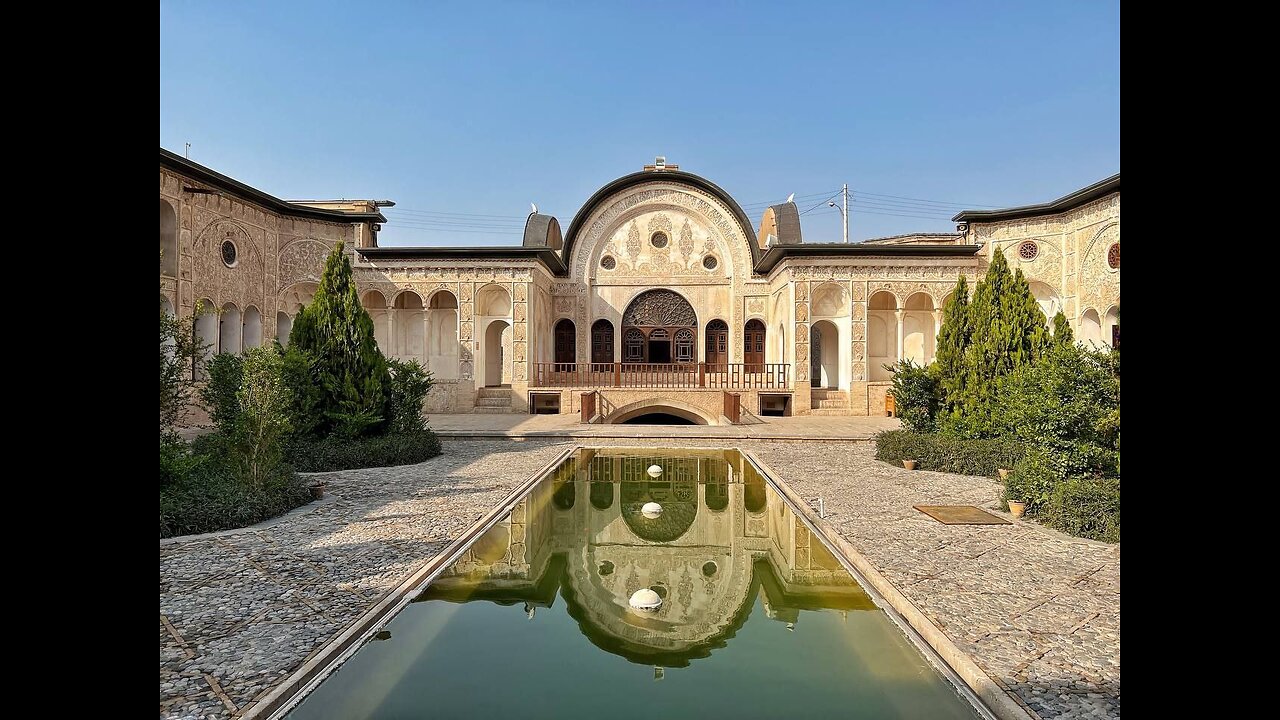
(659,164)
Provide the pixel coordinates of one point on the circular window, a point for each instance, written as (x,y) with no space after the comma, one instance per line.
(659,240)
(710,262)
(608,262)
(606,568)
(1113,256)
(1028,250)
(229,253)
(709,569)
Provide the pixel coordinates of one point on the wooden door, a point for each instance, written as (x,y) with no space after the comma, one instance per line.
(753,346)
(717,346)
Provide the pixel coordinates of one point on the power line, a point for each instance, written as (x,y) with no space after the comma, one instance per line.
(935,202)
(821,203)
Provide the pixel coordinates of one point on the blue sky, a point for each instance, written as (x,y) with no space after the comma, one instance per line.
(464,113)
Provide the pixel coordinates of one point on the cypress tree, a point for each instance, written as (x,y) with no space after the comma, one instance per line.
(1008,332)
(953,340)
(1062,334)
(337,333)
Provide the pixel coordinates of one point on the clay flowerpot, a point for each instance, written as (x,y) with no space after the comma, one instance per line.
(1004,473)
(909,464)
(1017,508)
(317,491)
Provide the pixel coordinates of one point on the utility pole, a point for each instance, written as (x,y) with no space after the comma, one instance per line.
(846,213)
(844,210)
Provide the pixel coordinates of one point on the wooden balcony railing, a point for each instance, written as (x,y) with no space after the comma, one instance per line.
(728,376)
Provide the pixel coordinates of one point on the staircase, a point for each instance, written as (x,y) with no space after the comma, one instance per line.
(829,402)
(494,399)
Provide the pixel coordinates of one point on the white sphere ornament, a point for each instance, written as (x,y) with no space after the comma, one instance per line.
(645,599)
(651,510)
(654,471)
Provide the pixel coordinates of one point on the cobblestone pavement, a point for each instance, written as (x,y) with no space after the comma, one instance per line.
(1038,611)
(240,612)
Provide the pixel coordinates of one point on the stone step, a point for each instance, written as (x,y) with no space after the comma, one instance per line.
(494,401)
(816,395)
(491,410)
(829,411)
(494,392)
(833,403)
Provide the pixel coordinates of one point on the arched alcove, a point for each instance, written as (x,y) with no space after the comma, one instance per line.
(375,303)
(409,327)
(918,335)
(443,349)
(168,239)
(252,332)
(230,330)
(882,334)
(652,328)
(1091,329)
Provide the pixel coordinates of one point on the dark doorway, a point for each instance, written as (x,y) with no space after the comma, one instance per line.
(658,418)
(602,341)
(659,351)
(566,339)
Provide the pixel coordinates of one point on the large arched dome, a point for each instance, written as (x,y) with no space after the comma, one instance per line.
(699,229)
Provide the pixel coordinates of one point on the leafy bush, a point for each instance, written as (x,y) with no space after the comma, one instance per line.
(945,453)
(409,386)
(203,494)
(1066,403)
(263,423)
(305,395)
(916,394)
(178,351)
(1032,480)
(1086,507)
(220,394)
(340,453)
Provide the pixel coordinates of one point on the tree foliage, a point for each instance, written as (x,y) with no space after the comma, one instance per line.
(953,344)
(915,394)
(178,352)
(408,388)
(263,401)
(337,334)
(1062,334)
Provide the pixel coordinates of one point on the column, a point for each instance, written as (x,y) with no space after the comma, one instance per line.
(937,330)
(898,315)
(392,340)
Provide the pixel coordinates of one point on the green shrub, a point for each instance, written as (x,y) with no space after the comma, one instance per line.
(178,351)
(945,453)
(408,388)
(915,394)
(205,494)
(1086,507)
(305,395)
(1066,402)
(1032,479)
(263,423)
(220,393)
(339,453)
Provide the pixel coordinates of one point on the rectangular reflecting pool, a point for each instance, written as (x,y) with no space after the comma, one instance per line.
(755,617)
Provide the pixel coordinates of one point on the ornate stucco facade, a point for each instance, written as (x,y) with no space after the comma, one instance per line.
(660,295)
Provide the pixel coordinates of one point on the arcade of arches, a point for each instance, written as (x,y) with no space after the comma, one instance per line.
(661,290)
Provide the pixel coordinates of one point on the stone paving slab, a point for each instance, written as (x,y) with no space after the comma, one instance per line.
(1038,611)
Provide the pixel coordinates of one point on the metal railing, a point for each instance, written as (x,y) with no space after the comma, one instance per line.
(662,375)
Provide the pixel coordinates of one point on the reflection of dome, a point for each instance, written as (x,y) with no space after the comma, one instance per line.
(679,501)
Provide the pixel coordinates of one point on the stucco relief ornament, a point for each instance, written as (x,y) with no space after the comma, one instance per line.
(633,243)
(686,240)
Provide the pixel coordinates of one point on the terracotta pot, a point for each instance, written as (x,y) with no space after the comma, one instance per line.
(1017,508)
(317,492)
(909,464)
(1004,473)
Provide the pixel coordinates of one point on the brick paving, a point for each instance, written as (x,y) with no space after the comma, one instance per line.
(1038,611)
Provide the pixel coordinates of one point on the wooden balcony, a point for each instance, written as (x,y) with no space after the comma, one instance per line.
(730,376)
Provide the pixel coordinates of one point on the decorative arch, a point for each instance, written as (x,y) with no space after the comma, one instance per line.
(666,324)
(493,301)
(753,345)
(206,334)
(1111,326)
(736,220)
(830,300)
(284,326)
(882,334)
(443,348)
(375,303)
(659,405)
(252,334)
(1090,329)
(409,327)
(717,346)
(168,239)
(918,332)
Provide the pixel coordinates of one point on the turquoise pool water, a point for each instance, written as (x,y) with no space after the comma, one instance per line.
(758,618)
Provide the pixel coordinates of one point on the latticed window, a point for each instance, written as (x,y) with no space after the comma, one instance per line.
(1028,250)
(633,345)
(1113,256)
(684,346)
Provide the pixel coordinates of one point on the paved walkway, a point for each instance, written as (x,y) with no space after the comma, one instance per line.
(1038,611)
(829,427)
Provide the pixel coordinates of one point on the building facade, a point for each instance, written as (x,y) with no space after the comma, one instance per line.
(660,296)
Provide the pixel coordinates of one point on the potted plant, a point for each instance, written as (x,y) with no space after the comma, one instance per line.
(1017,508)
(909,464)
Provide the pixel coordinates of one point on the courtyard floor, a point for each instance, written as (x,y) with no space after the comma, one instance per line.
(1038,611)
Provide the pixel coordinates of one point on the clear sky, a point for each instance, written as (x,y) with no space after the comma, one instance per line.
(464,113)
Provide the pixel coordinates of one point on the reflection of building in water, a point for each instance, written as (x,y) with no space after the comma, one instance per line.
(724,537)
